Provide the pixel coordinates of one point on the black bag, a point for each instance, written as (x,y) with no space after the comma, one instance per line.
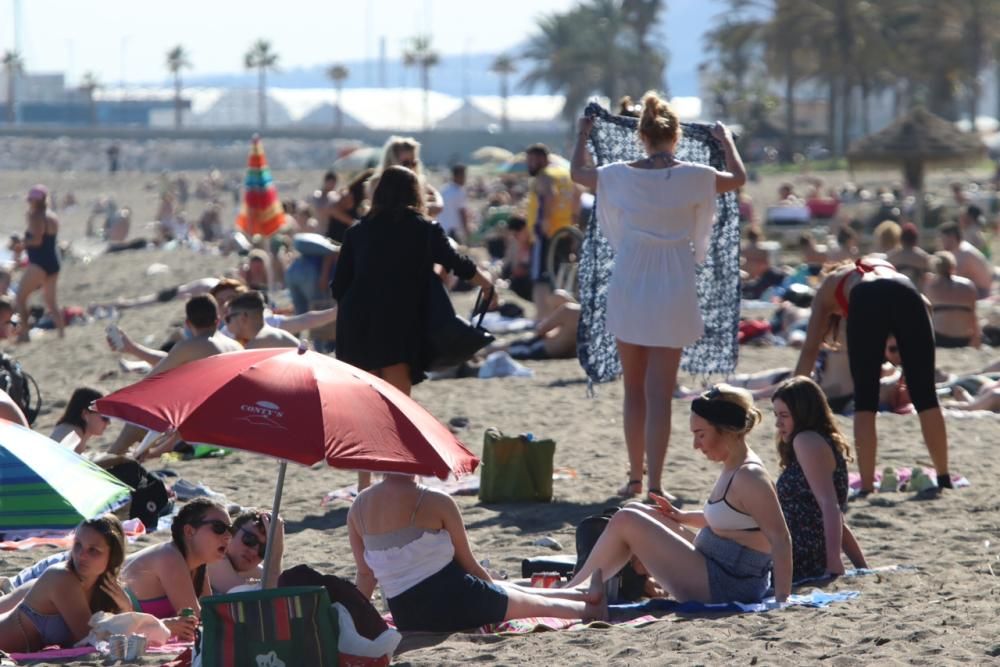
(627,585)
(150,499)
(367,621)
(20,386)
(452,340)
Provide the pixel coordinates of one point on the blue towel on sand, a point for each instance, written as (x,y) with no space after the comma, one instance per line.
(816,598)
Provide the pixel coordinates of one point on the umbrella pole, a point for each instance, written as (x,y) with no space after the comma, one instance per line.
(275,507)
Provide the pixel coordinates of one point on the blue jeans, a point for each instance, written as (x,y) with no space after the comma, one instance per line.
(301,278)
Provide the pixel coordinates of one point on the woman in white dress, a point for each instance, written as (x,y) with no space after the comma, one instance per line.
(657,213)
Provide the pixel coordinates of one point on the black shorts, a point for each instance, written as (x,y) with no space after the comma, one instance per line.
(449,601)
(880,308)
(533,348)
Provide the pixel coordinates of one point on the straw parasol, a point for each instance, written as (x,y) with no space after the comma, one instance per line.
(915,141)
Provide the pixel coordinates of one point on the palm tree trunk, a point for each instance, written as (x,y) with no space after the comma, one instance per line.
(177,101)
(831,115)
(261,98)
(846,107)
(425,83)
(11,117)
(339,111)
(789,105)
(504,94)
(93,109)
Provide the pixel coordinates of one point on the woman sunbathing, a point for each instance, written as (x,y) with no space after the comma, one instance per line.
(812,487)
(166,578)
(57,607)
(411,540)
(725,552)
(80,420)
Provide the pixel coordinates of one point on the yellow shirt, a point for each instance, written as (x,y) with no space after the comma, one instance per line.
(558,193)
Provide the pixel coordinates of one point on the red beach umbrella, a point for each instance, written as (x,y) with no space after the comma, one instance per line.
(294,405)
(298,406)
(261,212)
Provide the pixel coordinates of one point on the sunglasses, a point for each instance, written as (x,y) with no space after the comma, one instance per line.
(892,349)
(409,164)
(219,527)
(104,418)
(251,540)
(230,316)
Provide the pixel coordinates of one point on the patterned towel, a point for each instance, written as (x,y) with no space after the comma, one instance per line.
(613,139)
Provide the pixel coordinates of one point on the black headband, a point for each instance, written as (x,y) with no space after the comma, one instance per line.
(721,413)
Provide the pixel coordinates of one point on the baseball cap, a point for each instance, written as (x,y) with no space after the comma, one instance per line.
(38,193)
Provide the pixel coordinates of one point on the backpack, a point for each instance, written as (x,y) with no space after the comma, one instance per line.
(627,585)
(20,386)
(150,499)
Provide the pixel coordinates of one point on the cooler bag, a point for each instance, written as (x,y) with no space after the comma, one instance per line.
(278,627)
(515,468)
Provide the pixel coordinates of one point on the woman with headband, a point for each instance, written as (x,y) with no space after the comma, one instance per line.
(724,552)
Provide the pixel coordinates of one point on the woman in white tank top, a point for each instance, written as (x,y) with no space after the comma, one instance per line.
(412,541)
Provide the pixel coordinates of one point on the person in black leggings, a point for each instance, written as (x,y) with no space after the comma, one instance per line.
(877,302)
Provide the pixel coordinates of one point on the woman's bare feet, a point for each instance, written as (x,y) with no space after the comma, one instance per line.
(596,598)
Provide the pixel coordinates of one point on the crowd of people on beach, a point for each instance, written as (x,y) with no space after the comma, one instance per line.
(354,261)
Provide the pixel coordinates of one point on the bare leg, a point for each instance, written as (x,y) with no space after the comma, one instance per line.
(32,280)
(49,295)
(866,442)
(936,438)
(521,604)
(661,376)
(634,360)
(130,434)
(671,560)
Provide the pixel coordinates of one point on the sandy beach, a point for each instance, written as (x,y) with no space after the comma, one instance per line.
(944,613)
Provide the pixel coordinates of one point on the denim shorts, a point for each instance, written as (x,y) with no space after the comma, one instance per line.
(735,573)
(449,601)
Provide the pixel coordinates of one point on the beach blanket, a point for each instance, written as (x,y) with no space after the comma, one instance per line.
(55,653)
(614,139)
(23,540)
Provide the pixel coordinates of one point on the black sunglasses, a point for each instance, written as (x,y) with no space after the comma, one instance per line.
(230,316)
(104,418)
(892,349)
(409,164)
(251,540)
(219,527)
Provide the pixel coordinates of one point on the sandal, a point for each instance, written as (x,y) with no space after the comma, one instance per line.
(627,490)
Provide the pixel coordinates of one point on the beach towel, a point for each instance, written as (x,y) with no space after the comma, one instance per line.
(22,540)
(54,653)
(614,139)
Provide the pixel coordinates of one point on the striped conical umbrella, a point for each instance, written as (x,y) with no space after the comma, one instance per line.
(44,485)
(261,212)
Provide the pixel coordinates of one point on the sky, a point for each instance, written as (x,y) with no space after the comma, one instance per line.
(126,40)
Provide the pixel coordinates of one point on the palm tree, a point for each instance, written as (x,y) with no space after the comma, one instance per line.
(337,74)
(88,86)
(13,66)
(262,58)
(177,59)
(561,60)
(420,54)
(641,17)
(503,66)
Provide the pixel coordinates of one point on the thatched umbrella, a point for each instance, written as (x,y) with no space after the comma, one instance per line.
(917,140)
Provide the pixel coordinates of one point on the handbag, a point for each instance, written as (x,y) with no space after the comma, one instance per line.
(450,339)
(515,468)
(278,627)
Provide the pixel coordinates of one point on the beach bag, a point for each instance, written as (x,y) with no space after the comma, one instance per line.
(20,386)
(515,468)
(150,498)
(627,585)
(278,627)
(452,340)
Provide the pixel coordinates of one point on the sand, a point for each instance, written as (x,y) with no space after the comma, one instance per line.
(944,613)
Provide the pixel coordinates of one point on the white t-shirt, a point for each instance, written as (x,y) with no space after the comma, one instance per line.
(455,199)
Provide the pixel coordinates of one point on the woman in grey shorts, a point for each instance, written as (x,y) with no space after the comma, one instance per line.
(726,552)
